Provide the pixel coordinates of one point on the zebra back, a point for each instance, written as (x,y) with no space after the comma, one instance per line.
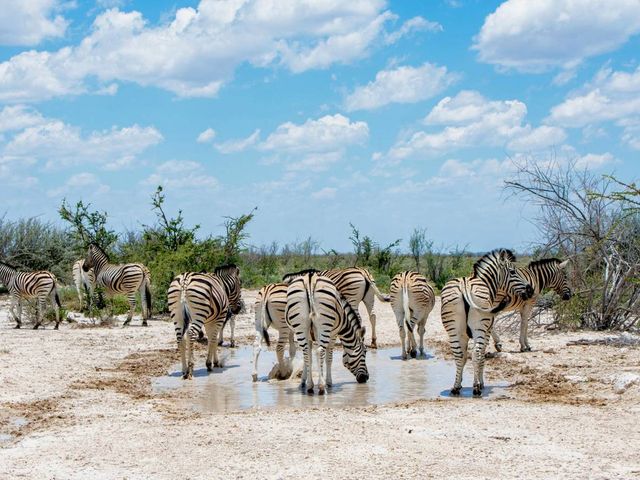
(229,275)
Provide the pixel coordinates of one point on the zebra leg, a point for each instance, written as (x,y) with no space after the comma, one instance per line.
(282,340)
(321,352)
(496,339)
(187,341)
(212,352)
(220,336)
(368,303)
(412,340)
(525,314)
(292,345)
(479,329)
(307,377)
(132,305)
(53,295)
(257,348)
(40,308)
(329,361)
(403,337)
(421,331)
(232,326)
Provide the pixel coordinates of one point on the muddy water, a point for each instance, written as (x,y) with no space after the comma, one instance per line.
(390,380)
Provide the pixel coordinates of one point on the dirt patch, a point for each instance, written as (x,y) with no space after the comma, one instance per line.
(19,419)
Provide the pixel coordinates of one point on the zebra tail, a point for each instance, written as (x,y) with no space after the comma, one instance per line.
(265,321)
(405,308)
(57,297)
(381,296)
(186,318)
(147,296)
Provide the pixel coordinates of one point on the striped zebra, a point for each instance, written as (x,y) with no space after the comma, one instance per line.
(84,281)
(541,274)
(27,285)
(412,299)
(270,310)
(202,300)
(356,285)
(316,311)
(126,279)
(469,305)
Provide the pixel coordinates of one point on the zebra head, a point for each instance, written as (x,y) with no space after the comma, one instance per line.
(559,280)
(230,276)
(96,257)
(497,268)
(354,351)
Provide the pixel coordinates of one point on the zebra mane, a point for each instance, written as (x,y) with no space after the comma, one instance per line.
(287,277)
(498,252)
(13,267)
(228,268)
(348,308)
(543,262)
(94,244)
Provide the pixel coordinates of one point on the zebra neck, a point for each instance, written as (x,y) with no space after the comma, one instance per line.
(99,262)
(6,274)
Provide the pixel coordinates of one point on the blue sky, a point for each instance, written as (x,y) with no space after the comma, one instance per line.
(391,115)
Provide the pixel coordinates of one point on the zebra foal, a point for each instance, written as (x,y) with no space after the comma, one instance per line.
(469,305)
(126,279)
(26,285)
(202,300)
(356,285)
(541,275)
(412,299)
(317,312)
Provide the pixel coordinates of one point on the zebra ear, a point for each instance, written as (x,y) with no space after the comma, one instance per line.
(563,264)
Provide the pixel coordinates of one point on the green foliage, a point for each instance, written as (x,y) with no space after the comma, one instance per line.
(235,235)
(87,226)
(418,244)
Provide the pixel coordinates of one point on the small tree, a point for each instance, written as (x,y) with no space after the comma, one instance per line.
(235,235)
(171,232)
(87,226)
(418,244)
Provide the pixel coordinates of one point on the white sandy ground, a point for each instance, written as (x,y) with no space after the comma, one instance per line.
(77,403)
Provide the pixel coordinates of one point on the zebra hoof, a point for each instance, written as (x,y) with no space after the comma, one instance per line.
(455,392)
(35,327)
(374,344)
(477,391)
(254,377)
(16,327)
(126,322)
(144,323)
(321,391)
(413,353)
(310,390)
(209,369)
(56,327)
(232,344)
(498,347)
(526,348)
(404,355)
(216,364)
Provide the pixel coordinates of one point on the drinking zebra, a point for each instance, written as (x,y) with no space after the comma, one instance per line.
(27,285)
(540,274)
(202,300)
(356,285)
(316,311)
(412,299)
(270,310)
(126,279)
(84,281)
(469,305)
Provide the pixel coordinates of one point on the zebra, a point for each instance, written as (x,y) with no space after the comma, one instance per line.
(270,310)
(316,311)
(469,305)
(127,279)
(412,299)
(27,285)
(84,281)
(202,300)
(356,285)
(541,274)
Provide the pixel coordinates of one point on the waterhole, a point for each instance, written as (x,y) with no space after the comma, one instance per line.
(391,379)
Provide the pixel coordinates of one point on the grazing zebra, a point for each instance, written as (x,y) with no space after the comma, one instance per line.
(202,300)
(541,274)
(412,299)
(316,311)
(127,279)
(270,310)
(356,285)
(469,305)
(84,281)
(27,285)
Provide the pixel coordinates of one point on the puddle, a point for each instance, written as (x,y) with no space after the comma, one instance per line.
(15,422)
(390,380)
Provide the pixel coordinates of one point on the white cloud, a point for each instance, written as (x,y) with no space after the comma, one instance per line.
(592,161)
(415,24)
(631,134)
(535,36)
(60,144)
(181,174)
(610,96)
(80,182)
(400,85)
(240,145)
(206,136)
(324,193)
(470,120)
(17,117)
(197,52)
(28,22)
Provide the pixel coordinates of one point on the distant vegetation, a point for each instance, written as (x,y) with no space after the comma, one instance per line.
(595,221)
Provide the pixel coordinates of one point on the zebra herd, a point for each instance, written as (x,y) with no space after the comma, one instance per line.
(316,307)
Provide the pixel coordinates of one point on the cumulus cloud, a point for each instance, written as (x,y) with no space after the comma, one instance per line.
(206,136)
(238,145)
(592,161)
(40,139)
(29,22)
(535,36)
(471,120)
(197,51)
(181,174)
(415,24)
(401,85)
(324,193)
(80,182)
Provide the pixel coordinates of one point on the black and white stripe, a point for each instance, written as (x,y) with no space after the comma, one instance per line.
(469,305)
(270,311)
(316,311)
(202,300)
(27,285)
(126,279)
(356,285)
(548,273)
(412,299)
